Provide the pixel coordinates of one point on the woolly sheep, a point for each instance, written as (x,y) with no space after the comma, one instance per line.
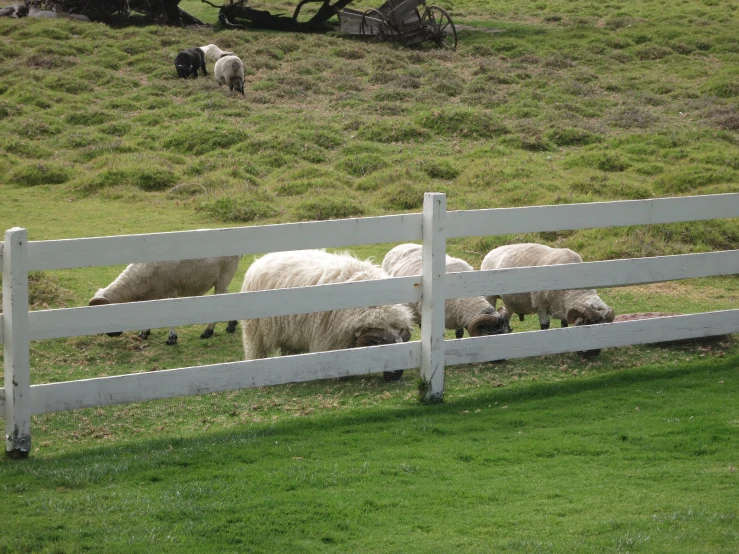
(59,11)
(15,11)
(213,53)
(576,306)
(229,70)
(159,280)
(188,61)
(34,11)
(320,331)
(474,314)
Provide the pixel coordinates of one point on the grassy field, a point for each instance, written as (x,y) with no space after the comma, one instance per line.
(542,103)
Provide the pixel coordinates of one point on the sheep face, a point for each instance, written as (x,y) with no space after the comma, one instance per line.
(590,316)
(100,301)
(377,337)
(490,322)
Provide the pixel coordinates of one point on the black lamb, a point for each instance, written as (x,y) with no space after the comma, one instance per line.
(189,61)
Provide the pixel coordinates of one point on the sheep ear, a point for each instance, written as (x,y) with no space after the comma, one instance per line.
(99,301)
(503,311)
(575,317)
(611,315)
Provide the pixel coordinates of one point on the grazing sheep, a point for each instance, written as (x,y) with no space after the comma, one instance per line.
(188,61)
(59,11)
(576,306)
(320,331)
(34,11)
(15,11)
(229,70)
(159,280)
(213,53)
(474,314)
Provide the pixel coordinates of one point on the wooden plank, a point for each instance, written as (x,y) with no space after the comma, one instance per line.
(203,243)
(590,337)
(501,221)
(612,273)
(70,322)
(16,353)
(433,255)
(139,387)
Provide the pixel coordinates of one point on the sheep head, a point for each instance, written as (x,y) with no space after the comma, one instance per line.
(490,322)
(376,337)
(590,316)
(100,301)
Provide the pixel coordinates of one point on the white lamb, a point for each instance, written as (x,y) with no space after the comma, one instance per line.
(229,70)
(474,314)
(159,280)
(58,10)
(213,53)
(34,11)
(575,307)
(320,331)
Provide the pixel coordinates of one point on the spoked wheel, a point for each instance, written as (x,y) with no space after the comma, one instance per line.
(374,25)
(440,27)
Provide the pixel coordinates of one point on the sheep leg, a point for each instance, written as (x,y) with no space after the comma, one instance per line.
(143,335)
(459,333)
(208,331)
(172,339)
(231,326)
(564,323)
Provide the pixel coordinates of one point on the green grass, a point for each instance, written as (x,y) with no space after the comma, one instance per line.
(564,102)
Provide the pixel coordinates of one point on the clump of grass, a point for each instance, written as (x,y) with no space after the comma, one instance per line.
(603,161)
(327,207)
(203,139)
(392,130)
(40,174)
(143,177)
(45,291)
(570,136)
(470,123)
(440,169)
(360,165)
(241,209)
(691,178)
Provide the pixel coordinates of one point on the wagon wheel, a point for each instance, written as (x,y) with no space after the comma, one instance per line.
(440,27)
(374,25)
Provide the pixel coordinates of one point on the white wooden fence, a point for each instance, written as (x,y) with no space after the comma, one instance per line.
(20,400)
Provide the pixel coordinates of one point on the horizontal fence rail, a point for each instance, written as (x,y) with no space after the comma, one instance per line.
(206,243)
(433,227)
(70,322)
(613,273)
(596,215)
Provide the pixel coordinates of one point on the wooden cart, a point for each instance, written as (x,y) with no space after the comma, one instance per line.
(406,21)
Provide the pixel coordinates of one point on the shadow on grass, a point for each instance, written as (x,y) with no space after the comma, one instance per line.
(528,393)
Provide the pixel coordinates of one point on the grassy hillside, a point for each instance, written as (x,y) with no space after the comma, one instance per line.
(542,103)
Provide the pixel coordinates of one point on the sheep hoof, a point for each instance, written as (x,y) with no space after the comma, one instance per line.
(172,340)
(389,376)
(207,334)
(143,335)
(231,326)
(459,333)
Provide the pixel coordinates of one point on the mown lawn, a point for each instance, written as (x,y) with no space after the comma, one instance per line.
(542,103)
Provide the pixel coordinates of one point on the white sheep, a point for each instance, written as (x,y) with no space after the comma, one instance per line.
(474,314)
(213,53)
(159,280)
(320,331)
(34,11)
(575,307)
(229,70)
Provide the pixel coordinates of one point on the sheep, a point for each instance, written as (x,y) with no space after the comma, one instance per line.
(576,306)
(34,11)
(188,61)
(474,314)
(229,70)
(213,53)
(320,331)
(15,11)
(158,280)
(59,11)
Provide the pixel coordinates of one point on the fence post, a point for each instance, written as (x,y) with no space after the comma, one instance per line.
(16,344)
(432,301)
